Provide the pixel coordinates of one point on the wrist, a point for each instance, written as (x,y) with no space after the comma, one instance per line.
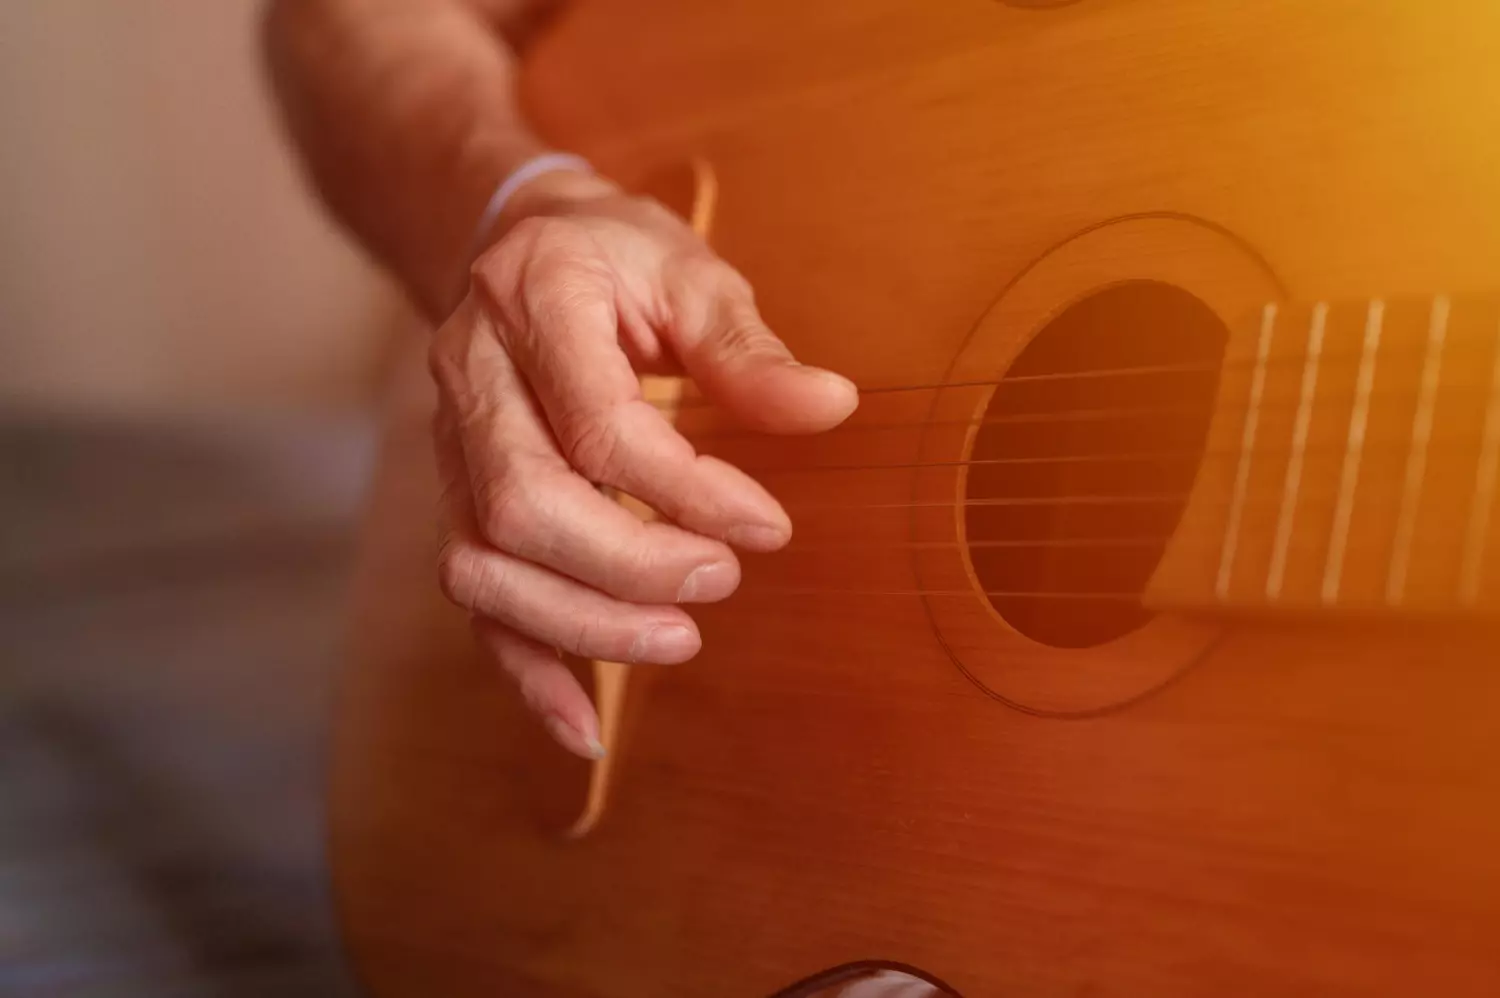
(552,190)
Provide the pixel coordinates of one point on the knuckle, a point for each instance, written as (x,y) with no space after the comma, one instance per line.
(743,335)
(507,511)
(700,267)
(593,445)
(713,295)
(564,283)
(448,349)
(540,262)
(591,636)
(698,275)
(458,572)
(474,580)
(535,229)
(519,243)
(641,568)
(496,274)
(632,572)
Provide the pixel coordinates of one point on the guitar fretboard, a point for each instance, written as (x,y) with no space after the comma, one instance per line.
(1352,464)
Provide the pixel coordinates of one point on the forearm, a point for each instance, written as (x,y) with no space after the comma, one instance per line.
(406,117)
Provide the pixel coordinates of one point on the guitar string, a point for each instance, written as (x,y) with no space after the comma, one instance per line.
(1075,500)
(1153,499)
(1227,364)
(1054,416)
(857,545)
(850,547)
(1042,417)
(845,547)
(1142,540)
(1137,596)
(696,402)
(1102,457)
(856,542)
(1452,391)
(751,590)
(778,591)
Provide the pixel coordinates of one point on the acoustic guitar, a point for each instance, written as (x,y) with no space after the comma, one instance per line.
(1138,634)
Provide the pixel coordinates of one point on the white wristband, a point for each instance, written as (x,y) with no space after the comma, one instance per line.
(528,171)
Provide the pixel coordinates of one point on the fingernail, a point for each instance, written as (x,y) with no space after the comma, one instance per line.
(575,741)
(667,644)
(758,536)
(835,378)
(707,583)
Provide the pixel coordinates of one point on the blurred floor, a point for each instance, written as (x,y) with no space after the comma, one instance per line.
(170,614)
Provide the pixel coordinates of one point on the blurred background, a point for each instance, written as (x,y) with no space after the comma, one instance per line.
(190,359)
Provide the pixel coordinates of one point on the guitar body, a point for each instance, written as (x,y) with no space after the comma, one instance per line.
(873,758)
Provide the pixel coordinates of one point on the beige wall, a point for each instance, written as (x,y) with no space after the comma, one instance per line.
(157,251)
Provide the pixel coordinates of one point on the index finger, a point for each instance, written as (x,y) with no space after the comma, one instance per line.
(564,338)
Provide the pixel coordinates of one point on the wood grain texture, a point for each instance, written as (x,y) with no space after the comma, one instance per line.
(1308,808)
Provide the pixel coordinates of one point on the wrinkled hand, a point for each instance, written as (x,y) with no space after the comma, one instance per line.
(539,404)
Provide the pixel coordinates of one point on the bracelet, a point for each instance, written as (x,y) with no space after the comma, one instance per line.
(550,162)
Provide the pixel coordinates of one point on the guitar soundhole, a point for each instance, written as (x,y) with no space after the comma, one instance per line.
(1081,466)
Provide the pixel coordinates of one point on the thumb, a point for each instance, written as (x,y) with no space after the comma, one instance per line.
(738,362)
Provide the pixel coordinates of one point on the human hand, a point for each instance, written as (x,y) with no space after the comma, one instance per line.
(539,404)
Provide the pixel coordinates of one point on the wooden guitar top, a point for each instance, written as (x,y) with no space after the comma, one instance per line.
(976,720)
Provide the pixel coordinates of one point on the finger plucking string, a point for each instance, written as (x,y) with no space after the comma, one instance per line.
(569,355)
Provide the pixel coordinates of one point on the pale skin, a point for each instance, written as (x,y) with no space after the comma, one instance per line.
(406,117)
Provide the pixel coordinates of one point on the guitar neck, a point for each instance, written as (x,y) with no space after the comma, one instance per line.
(1351,464)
